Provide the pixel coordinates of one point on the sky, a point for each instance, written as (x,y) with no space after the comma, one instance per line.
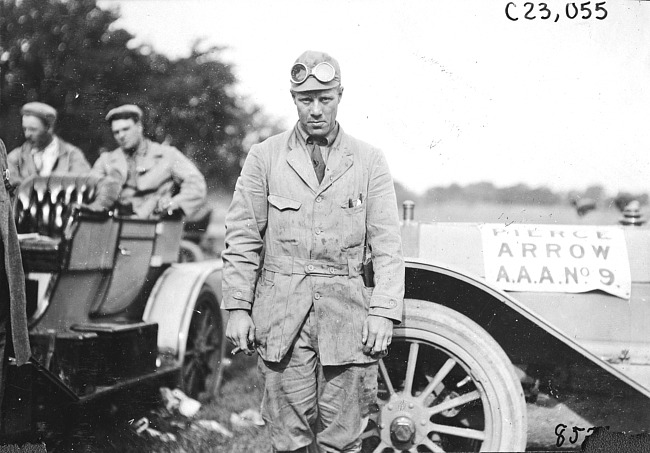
(451,90)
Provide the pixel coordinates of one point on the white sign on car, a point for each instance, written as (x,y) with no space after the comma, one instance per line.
(556,258)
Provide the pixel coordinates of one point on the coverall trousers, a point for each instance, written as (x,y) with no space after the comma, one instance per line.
(313,408)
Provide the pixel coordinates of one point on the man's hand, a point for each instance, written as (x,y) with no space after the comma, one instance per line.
(241,331)
(377,334)
(166,204)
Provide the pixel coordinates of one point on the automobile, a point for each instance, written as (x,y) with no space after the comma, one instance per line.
(111,310)
(517,336)
(514,336)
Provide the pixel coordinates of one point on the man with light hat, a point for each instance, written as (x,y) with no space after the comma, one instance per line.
(307,206)
(154,178)
(43,153)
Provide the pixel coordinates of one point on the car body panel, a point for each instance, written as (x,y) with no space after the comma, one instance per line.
(180,282)
(608,330)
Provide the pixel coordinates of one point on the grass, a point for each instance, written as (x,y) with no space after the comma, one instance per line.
(242,389)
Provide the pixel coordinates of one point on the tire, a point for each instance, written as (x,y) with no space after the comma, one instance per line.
(189,252)
(205,349)
(441,359)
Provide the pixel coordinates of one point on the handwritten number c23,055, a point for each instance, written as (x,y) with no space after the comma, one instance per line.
(572,10)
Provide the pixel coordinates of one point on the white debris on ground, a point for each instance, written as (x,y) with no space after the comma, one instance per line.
(246,419)
(179,401)
(142,426)
(212,425)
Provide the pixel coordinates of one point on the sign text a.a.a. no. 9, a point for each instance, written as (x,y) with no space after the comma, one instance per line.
(550,258)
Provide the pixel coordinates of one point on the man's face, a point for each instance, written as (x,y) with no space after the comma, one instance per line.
(36,132)
(317,110)
(127,133)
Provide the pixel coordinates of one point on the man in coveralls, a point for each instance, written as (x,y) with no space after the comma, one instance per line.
(305,206)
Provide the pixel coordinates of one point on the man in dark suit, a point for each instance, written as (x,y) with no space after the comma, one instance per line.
(13,317)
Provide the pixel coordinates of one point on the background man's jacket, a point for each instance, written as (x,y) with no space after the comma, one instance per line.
(21,162)
(160,169)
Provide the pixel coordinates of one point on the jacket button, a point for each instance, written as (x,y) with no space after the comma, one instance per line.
(318,231)
(238,294)
(319,199)
(331,270)
(310,267)
(317,296)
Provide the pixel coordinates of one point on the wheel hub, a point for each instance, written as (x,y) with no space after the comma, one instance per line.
(403,421)
(402,430)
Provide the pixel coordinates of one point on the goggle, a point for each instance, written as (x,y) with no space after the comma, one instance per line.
(324,72)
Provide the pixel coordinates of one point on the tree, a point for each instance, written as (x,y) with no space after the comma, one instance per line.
(595,192)
(191,107)
(70,54)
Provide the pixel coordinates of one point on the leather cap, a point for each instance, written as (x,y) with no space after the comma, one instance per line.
(311,58)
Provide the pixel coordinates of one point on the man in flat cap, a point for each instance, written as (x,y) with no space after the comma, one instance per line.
(154,178)
(43,153)
(308,203)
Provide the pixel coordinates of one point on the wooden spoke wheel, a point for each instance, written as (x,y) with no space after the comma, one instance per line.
(446,385)
(205,350)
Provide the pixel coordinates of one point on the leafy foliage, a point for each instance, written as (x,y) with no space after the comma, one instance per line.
(70,54)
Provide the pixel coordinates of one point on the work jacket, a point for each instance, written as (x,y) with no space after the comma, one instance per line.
(313,238)
(160,171)
(12,267)
(70,160)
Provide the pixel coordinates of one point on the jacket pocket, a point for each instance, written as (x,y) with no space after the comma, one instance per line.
(283,203)
(354,226)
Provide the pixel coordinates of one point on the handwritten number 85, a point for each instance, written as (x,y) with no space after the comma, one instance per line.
(561,427)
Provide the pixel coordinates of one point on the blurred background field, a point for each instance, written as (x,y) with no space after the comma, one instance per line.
(605,213)
(509,213)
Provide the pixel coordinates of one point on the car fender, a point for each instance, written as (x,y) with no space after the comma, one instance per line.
(512,303)
(172,301)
